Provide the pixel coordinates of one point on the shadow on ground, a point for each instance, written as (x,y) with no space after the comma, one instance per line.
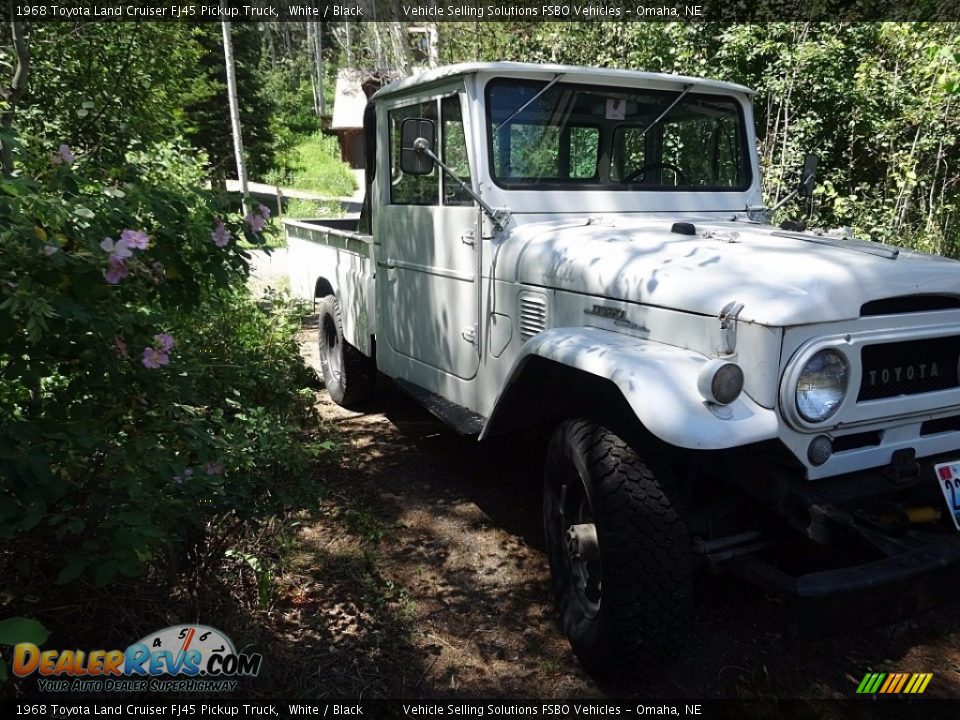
(424,576)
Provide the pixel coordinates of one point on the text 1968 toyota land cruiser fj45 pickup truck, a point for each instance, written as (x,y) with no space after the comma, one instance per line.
(586,251)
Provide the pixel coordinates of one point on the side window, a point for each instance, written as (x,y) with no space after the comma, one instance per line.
(529,151)
(454,153)
(410,189)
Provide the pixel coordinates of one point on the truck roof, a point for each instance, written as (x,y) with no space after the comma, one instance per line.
(574,71)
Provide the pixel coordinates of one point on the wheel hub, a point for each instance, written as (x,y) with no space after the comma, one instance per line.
(582,544)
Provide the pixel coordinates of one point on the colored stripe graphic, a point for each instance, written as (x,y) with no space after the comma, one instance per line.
(894,683)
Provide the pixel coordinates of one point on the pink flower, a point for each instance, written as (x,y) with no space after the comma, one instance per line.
(136,239)
(63,156)
(264,212)
(120,347)
(117,270)
(187,474)
(118,250)
(220,235)
(49,250)
(256,222)
(165,341)
(154,359)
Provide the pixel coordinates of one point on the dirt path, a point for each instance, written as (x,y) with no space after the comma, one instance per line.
(425,576)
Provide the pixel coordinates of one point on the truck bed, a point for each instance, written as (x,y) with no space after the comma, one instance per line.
(329,256)
(328,231)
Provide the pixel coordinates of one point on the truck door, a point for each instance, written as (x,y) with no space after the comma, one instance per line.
(427,279)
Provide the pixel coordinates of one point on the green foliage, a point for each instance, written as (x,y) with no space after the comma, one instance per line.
(102,88)
(306,209)
(135,414)
(205,111)
(16,630)
(314,165)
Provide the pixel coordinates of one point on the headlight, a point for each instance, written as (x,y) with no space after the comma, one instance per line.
(822,385)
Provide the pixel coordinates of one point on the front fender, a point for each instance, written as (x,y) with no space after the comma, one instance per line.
(658,381)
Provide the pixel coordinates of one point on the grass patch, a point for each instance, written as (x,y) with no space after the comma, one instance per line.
(314,165)
(297,208)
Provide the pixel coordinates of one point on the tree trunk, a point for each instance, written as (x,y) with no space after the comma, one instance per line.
(13,93)
(235,114)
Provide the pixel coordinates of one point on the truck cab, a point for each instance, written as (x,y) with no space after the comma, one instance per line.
(585,251)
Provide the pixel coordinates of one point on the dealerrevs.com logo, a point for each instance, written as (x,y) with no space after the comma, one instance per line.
(181,657)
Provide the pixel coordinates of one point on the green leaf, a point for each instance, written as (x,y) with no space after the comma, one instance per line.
(20,629)
(33,515)
(105,572)
(72,570)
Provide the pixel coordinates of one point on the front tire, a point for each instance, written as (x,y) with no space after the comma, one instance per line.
(348,374)
(619,553)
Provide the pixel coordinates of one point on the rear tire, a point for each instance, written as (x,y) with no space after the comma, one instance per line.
(349,375)
(619,553)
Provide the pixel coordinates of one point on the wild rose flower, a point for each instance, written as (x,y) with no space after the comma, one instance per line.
(154,359)
(187,474)
(63,156)
(165,341)
(136,239)
(220,235)
(117,270)
(118,250)
(256,222)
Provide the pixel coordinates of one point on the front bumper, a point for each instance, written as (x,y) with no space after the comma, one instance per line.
(848,569)
(868,594)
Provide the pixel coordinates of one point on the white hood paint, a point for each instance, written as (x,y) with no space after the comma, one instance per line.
(781,281)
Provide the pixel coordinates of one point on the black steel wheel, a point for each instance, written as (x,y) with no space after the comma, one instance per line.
(348,374)
(619,553)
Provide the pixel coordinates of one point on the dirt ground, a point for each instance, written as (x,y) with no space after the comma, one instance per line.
(425,576)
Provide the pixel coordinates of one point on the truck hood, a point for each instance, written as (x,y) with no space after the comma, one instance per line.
(782,278)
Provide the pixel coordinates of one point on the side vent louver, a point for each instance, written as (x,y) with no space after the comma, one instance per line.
(533,314)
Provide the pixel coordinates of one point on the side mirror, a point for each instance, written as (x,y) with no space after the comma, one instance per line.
(808,175)
(416,135)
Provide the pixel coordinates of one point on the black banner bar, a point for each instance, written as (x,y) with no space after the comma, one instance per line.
(534,11)
(873,707)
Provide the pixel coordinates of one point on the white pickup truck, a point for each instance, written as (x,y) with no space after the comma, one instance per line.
(585,251)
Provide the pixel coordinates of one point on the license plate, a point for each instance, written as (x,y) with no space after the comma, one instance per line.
(948,475)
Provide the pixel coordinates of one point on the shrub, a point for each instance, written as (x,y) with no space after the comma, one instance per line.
(143,394)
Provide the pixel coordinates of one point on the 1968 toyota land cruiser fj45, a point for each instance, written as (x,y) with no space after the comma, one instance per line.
(586,251)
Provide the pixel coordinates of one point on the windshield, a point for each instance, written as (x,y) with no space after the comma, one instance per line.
(589,137)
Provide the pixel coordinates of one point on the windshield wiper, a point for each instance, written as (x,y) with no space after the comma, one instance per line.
(528,103)
(670,107)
